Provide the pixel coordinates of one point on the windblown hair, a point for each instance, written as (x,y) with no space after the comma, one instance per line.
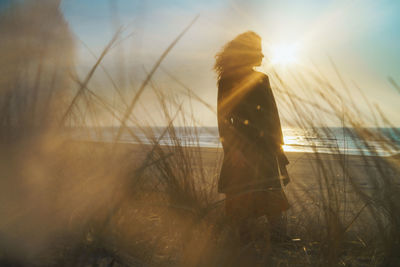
(235,54)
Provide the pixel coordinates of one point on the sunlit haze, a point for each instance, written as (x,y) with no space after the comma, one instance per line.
(358,38)
(283,54)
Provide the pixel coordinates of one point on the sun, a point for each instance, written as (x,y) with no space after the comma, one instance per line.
(284,54)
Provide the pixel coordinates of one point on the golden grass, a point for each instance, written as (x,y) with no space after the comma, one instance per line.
(70,203)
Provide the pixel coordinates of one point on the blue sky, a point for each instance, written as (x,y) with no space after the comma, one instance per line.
(361,36)
(367,28)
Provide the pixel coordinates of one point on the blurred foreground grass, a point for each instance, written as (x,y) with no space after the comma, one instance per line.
(65,202)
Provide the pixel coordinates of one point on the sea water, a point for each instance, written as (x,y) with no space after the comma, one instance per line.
(383,141)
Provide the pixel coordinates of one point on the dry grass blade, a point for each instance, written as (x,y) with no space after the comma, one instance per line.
(393,82)
(109,77)
(89,76)
(190,92)
(148,78)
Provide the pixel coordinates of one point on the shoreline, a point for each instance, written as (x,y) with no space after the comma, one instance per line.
(220,149)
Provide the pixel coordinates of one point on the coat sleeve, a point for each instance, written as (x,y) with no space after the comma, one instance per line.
(229,130)
(275,125)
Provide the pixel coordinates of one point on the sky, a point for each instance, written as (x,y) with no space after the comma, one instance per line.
(361,37)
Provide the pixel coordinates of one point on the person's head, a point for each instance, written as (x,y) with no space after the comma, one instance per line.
(239,55)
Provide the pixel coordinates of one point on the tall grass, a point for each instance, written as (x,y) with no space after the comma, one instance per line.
(66,202)
(356,203)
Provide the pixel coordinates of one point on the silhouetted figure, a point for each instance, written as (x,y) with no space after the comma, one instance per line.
(251,136)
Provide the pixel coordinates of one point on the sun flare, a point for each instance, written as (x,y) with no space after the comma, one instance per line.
(284,54)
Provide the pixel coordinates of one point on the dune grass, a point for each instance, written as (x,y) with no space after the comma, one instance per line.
(85,203)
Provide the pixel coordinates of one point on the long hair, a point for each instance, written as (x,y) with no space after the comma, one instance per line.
(236,54)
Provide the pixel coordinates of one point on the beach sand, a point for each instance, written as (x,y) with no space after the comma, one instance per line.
(303,168)
(309,172)
(312,176)
(89,175)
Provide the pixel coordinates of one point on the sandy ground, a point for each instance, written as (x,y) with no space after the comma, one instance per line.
(304,168)
(312,176)
(308,171)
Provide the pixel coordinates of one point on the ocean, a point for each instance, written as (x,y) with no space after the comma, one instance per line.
(383,142)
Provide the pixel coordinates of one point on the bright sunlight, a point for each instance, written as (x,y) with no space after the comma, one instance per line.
(284,54)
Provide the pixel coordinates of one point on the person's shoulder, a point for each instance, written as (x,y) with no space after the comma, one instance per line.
(262,76)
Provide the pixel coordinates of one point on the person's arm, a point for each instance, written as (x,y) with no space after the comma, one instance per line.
(231,135)
(276,134)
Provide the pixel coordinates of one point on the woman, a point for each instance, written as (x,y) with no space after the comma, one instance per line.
(251,136)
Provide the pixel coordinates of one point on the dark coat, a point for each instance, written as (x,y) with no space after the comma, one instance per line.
(250,133)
